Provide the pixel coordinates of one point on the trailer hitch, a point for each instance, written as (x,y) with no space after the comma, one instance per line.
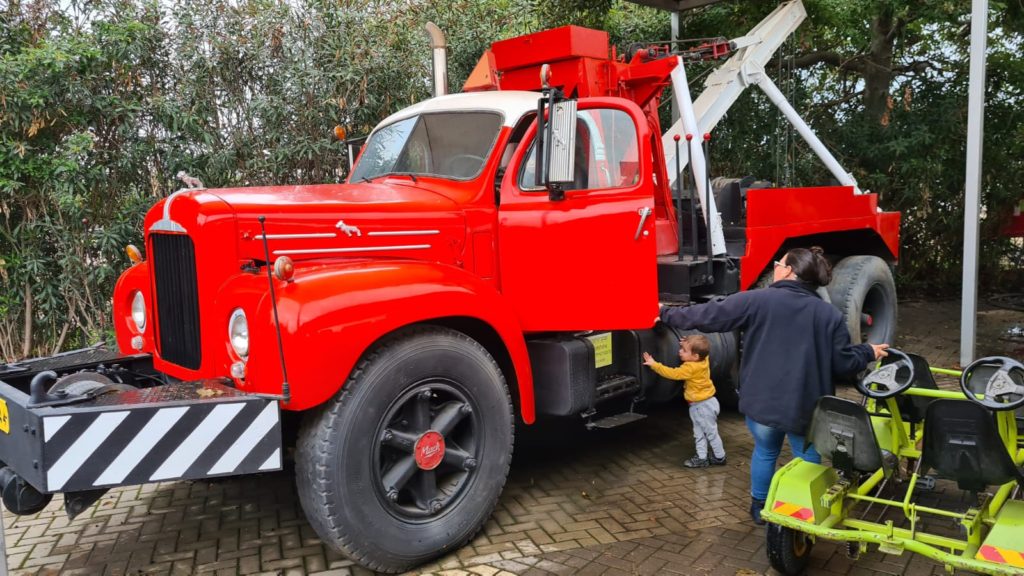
(47,390)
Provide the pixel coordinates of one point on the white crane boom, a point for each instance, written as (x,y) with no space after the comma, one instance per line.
(721,90)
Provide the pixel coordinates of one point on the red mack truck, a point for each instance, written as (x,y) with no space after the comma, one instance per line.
(454,284)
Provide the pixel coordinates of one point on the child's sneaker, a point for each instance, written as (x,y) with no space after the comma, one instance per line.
(694,462)
(717,461)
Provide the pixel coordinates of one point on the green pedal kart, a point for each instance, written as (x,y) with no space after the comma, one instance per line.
(913,468)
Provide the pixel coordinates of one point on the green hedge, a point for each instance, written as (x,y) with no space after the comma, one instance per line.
(102,102)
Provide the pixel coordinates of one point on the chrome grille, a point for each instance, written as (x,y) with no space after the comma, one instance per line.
(177,299)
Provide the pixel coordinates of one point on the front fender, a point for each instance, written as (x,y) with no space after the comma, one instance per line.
(134,278)
(331,315)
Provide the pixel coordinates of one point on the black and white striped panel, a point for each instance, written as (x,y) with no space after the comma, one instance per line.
(88,450)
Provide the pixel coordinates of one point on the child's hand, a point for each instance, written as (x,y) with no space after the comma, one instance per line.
(649,360)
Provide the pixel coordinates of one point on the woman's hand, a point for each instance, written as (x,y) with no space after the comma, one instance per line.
(880,350)
(649,360)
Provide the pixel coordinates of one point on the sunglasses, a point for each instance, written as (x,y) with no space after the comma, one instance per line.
(779,263)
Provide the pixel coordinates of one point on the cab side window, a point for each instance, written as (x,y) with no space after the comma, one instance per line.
(606,153)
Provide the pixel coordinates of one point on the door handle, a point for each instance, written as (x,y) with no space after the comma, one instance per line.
(644,213)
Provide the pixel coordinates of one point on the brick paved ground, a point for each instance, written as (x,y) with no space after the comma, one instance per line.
(611,502)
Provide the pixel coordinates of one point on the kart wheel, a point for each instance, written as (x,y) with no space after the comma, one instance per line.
(407,461)
(789,551)
(862,289)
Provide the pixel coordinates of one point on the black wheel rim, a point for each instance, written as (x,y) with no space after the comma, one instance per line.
(800,544)
(876,315)
(426,450)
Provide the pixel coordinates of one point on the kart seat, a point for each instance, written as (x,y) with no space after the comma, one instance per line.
(841,431)
(961,443)
(912,408)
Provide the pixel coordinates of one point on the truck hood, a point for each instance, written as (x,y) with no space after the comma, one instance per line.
(349,198)
(336,220)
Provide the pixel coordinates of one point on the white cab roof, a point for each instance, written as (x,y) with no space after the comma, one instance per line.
(512,104)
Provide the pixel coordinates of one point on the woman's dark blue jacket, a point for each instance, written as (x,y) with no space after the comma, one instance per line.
(794,343)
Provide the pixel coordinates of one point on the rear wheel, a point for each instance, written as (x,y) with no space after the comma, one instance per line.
(789,551)
(863,289)
(406,463)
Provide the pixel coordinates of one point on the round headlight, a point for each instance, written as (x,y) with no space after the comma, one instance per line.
(238,333)
(139,311)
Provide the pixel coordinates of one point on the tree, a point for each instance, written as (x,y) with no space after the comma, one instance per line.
(103,102)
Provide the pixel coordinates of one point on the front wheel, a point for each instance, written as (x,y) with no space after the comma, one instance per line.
(789,551)
(407,462)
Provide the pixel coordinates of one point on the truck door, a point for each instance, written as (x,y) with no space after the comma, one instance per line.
(587,262)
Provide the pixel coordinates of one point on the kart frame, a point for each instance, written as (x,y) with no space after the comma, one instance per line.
(816,500)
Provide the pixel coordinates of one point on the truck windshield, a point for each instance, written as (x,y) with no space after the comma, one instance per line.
(446,144)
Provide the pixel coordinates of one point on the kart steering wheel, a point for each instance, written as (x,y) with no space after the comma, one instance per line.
(1003,391)
(887,377)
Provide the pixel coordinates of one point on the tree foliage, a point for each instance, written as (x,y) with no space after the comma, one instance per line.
(102,102)
(884,84)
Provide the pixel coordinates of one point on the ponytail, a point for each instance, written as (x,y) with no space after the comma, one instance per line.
(810,265)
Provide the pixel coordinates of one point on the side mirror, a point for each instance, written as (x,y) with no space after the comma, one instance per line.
(556,145)
(561,143)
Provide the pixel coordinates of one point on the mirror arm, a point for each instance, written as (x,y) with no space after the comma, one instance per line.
(538,173)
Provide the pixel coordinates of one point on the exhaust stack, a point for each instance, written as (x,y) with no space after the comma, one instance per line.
(440,53)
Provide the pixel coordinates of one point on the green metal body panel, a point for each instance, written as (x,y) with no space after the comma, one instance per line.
(799,486)
(1005,542)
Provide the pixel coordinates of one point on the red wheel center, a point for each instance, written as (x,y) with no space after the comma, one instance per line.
(429,450)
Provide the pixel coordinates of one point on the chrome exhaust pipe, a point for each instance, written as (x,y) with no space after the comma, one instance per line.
(439,47)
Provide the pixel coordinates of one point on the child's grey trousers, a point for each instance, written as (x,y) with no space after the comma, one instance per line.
(704,415)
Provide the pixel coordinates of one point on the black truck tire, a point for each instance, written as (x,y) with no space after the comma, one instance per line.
(789,551)
(407,461)
(863,289)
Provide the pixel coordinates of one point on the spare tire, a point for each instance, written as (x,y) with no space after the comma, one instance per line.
(724,364)
(863,289)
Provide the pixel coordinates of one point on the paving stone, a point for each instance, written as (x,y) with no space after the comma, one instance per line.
(583,503)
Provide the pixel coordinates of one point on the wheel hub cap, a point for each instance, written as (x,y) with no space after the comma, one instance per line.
(429,450)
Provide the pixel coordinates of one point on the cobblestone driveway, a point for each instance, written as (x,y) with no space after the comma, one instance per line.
(610,502)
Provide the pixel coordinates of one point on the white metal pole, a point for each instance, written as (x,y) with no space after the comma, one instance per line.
(675,36)
(775,95)
(681,91)
(3,543)
(972,183)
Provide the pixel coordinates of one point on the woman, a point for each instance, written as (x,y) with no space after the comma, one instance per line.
(794,343)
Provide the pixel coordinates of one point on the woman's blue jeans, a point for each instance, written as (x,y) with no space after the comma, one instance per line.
(767,445)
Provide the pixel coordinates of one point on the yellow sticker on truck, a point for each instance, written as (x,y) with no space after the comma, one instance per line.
(5,418)
(602,349)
